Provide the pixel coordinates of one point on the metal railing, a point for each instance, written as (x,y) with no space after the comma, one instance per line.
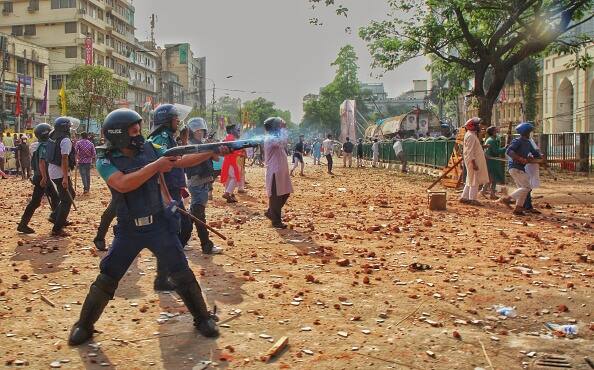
(572,152)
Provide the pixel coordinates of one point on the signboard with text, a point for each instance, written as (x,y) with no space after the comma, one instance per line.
(89,50)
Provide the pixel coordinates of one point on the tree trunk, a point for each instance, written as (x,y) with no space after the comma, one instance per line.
(485,109)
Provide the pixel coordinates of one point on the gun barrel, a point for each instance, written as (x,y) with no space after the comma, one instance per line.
(201,148)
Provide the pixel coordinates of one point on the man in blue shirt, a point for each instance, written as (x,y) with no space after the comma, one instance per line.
(521,152)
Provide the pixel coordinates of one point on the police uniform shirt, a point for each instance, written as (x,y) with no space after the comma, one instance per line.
(106,169)
(161,139)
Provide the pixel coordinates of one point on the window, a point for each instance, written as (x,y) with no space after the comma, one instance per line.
(84,29)
(59,4)
(56,81)
(39,69)
(7,7)
(33,4)
(30,30)
(70,27)
(70,51)
(20,62)
(100,38)
(100,14)
(83,53)
(17,30)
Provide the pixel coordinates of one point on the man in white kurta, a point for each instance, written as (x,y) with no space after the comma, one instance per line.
(475,162)
(278,181)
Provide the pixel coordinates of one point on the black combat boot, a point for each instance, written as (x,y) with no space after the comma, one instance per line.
(162,282)
(101,291)
(190,292)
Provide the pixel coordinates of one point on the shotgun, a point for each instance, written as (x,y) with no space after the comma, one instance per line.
(213,147)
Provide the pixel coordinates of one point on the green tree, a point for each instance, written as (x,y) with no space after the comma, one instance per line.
(323,114)
(92,92)
(475,36)
(259,109)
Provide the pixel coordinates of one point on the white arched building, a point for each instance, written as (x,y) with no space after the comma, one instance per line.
(568,94)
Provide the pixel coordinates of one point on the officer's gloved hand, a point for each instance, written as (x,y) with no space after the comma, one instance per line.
(171,208)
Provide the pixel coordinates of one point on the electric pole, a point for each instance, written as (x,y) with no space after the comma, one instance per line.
(214,89)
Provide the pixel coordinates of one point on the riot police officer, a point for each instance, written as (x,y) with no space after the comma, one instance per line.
(200,180)
(166,121)
(40,178)
(130,166)
(62,159)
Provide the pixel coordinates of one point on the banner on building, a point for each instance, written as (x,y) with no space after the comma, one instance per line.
(347,120)
(89,51)
(183,54)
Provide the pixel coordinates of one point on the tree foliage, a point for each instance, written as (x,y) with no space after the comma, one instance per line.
(323,114)
(258,110)
(92,91)
(476,35)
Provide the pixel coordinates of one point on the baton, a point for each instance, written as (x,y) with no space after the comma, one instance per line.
(67,193)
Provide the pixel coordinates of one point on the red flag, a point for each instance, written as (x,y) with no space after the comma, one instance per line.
(17,111)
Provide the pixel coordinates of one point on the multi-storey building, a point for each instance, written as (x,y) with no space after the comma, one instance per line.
(26,64)
(568,91)
(66,27)
(143,79)
(179,59)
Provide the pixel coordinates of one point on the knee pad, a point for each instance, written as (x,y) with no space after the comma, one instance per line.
(106,284)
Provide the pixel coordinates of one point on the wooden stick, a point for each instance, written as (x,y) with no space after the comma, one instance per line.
(277,348)
(183,211)
(46,300)
(445,173)
(486,355)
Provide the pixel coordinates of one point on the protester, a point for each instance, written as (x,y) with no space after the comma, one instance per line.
(347,153)
(85,156)
(230,173)
(317,151)
(375,152)
(494,151)
(400,154)
(521,151)
(328,148)
(24,154)
(474,162)
(278,181)
(298,153)
(17,154)
(360,153)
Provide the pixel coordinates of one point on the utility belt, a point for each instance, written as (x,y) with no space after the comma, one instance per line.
(199,180)
(141,222)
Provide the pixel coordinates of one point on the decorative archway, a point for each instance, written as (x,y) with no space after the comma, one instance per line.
(564,114)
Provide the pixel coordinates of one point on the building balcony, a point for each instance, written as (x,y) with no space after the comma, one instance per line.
(142,85)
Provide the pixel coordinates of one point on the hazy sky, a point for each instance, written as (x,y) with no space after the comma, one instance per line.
(269,45)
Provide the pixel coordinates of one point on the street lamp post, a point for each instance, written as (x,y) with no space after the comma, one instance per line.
(214,89)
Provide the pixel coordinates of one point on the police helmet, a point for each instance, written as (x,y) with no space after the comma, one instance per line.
(197,123)
(42,131)
(524,128)
(163,116)
(273,123)
(115,127)
(62,124)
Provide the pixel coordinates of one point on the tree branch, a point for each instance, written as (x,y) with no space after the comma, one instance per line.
(474,42)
